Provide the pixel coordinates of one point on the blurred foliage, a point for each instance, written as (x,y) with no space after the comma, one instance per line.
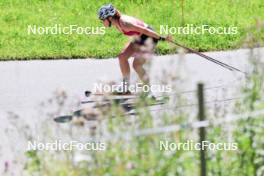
(142,155)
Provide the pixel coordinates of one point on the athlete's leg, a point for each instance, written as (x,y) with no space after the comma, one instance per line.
(146,47)
(123,60)
(138,67)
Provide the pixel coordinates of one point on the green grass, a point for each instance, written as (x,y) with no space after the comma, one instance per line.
(16,15)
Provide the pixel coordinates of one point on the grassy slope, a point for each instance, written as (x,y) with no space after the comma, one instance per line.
(16,15)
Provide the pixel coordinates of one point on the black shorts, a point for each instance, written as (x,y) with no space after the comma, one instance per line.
(143,38)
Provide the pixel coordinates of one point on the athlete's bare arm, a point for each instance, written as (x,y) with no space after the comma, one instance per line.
(141,29)
(127,26)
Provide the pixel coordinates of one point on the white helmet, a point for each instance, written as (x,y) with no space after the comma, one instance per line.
(106,11)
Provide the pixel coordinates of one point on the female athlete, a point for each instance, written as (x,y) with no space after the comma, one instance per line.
(144,41)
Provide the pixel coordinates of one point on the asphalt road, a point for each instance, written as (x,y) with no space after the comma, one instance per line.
(24,84)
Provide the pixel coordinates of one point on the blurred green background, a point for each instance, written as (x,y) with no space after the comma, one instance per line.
(16,15)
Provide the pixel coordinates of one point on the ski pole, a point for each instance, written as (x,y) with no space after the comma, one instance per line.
(229,67)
